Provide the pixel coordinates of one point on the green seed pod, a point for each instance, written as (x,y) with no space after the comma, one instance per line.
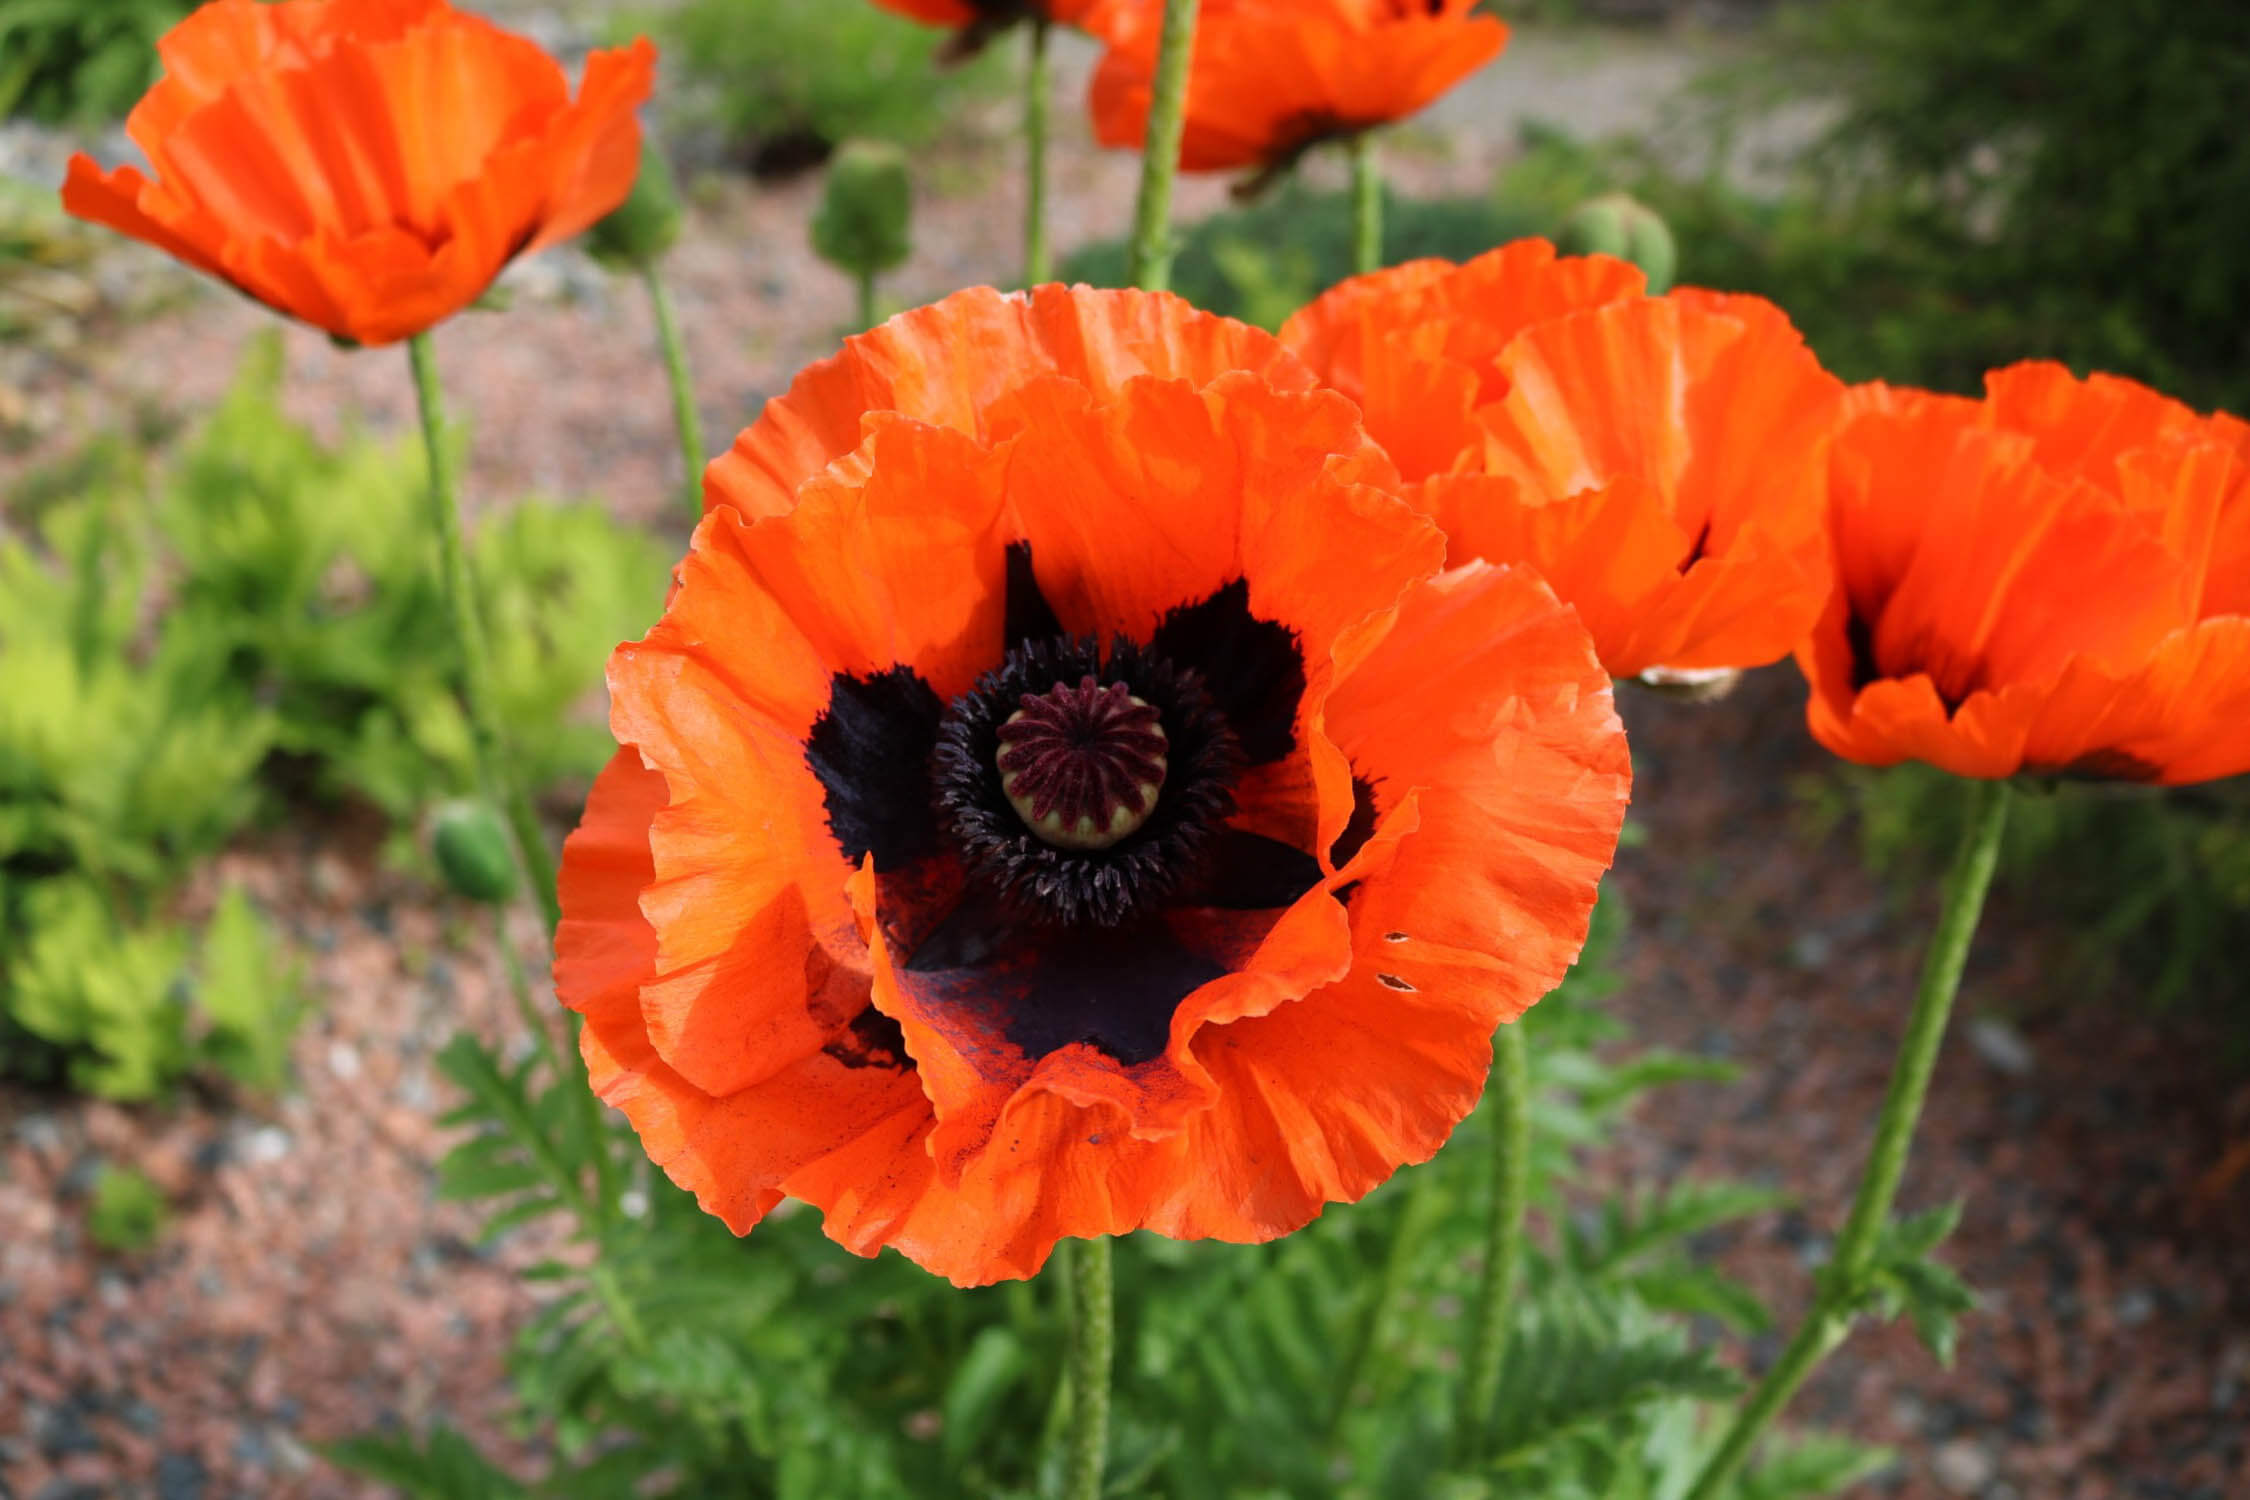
(637,232)
(474,852)
(1620,225)
(862,226)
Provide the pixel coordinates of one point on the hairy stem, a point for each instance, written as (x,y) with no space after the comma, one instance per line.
(1844,1286)
(1092,1333)
(1038,85)
(1150,265)
(1503,1241)
(461,603)
(1367,205)
(684,414)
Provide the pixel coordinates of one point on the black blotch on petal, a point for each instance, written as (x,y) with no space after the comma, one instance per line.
(871,752)
(1359,828)
(1250,872)
(1114,989)
(1028,616)
(1859,635)
(1253,669)
(1696,552)
(873,1040)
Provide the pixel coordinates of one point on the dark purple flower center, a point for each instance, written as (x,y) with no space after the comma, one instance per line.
(1082,763)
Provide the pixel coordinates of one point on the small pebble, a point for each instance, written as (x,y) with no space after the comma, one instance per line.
(343,1060)
(1964,1467)
(2002,1046)
(180,1476)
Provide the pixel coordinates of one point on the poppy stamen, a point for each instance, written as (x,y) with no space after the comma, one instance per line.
(1082,764)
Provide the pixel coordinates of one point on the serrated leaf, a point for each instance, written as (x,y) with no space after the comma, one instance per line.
(1808,1467)
(1575,1359)
(446,1467)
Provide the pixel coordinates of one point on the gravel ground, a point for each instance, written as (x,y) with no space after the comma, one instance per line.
(311,1287)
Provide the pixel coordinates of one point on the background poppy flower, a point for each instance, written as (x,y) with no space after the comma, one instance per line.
(298,156)
(1272,78)
(980,20)
(2055,579)
(950,362)
(1658,459)
(822,953)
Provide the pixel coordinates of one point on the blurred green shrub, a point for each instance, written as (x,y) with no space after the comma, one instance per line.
(672,1359)
(127,1212)
(81,61)
(780,82)
(2153,885)
(274,636)
(2077,171)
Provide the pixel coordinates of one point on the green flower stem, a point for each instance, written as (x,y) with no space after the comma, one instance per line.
(684,414)
(1092,1333)
(866,304)
(1038,85)
(1503,1241)
(1367,205)
(519,988)
(1150,265)
(460,587)
(1843,1286)
(1406,1239)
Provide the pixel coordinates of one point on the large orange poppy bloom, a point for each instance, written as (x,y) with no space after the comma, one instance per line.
(1111,820)
(1272,78)
(1658,459)
(2055,579)
(367,166)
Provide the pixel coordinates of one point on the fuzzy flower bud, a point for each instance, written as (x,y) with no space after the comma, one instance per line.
(637,233)
(862,225)
(1619,224)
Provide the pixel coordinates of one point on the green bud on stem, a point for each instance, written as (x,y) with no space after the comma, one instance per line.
(1619,224)
(636,234)
(863,223)
(473,852)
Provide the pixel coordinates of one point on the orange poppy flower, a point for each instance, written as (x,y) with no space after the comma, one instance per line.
(2055,580)
(1658,459)
(1270,79)
(1115,820)
(297,157)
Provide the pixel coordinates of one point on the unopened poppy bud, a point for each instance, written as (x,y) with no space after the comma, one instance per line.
(473,852)
(862,225)
(636,234)
(1619,224)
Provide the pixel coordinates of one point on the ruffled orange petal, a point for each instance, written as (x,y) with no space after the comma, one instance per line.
(2175,718)
(733,1151)
(1707,409)
(1417,345)
(950,362)
(760,959)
